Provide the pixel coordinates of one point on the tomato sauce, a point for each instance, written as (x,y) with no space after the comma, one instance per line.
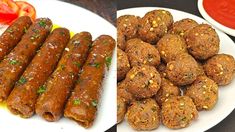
(223,11)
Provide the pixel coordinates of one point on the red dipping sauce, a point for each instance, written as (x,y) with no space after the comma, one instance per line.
(223,11)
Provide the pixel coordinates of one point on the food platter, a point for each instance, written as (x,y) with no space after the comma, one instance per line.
(76,19)
(224,106)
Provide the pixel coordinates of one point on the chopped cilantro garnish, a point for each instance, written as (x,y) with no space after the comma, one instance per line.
(10,30)
(42,23)
(94,103)
(35,36)
(22,80)
(97,65)
(108,61)
(77,64)
(14,62)
(41,89)
(76,101)
(25,30)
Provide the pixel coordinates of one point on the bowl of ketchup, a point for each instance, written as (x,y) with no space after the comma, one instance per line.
(220,13)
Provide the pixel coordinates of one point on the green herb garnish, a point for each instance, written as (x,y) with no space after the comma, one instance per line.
(42,23)
(76,101)
(14,62)
(108,61)
(35,36)
(94,103)
(25,30)
(22,80)
(97,65)
(41,89)
(77,64)
(10,30)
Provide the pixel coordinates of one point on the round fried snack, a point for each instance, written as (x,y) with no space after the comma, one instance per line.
(152,27)
(202,42)
(123,65)
(167,89)
(140,52)
(121,109)
(170,46)
(128,25)
(204,93)
(183,26)
(220,68)
(143,81)
(178,112)
(183,70)
(144,115)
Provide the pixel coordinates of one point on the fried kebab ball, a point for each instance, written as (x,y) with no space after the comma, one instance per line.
(220,68)
(143,81)
(154,25)
(144,115)
(204,93)
(202,42)
(178,112)
(140,52)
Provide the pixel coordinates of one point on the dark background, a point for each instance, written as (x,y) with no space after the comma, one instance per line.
(190,6)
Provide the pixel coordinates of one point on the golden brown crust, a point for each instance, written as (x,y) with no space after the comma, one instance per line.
(51,103)
(83,103)
(128,25)
(169,46)
(140,52)
(181,27)
(220,68)
(183,70)
(143,81)
(123,65)
(23,97)
(144,115)
(152,27)
(204,93)
(17,60)
(202,42)
(178,112)
(13,34)
(121,108)
(167,89)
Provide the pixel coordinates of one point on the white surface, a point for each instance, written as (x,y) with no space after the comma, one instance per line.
(225,104)
(227,30)
(76,19)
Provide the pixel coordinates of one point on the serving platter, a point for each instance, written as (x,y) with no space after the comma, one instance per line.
(76,19)
(225,104)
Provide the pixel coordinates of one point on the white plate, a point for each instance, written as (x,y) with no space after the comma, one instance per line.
(225,105)
(227,30)
(76,19)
